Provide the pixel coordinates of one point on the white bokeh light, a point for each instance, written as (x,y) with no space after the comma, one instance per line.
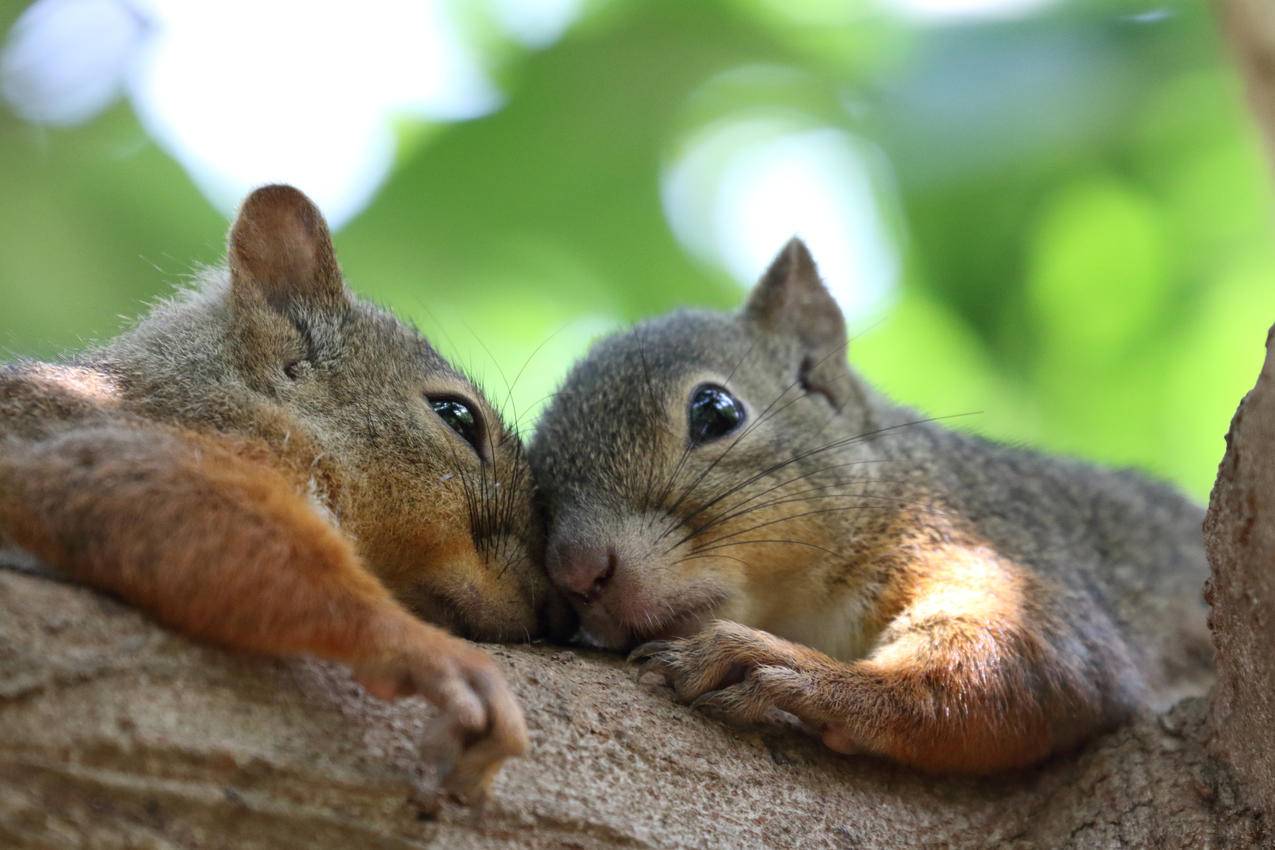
(535,23)
(955,9)
(243,92)
(742,188)
(64,61)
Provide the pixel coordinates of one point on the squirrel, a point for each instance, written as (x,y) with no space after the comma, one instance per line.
(267,462)
(779,540)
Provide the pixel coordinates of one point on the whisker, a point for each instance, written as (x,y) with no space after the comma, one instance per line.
(711,545)
(650,389)
(702,557)
(533,354)
(686,453)
(771,522)
(762,418)
(775,541)
(690,488)
(509,390)
(783,501)
(835,444)
(808,475)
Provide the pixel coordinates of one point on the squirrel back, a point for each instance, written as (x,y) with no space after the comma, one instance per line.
(705,467)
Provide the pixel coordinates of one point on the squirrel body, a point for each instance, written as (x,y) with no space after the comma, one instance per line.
(775,536)
(257,463)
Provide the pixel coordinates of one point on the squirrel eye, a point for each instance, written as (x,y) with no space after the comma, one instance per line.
(714,412)
(460,417)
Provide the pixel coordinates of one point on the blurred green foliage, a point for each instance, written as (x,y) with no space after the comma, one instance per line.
(1079,202)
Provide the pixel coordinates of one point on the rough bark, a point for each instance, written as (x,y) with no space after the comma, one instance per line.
(117,733)
(1240,534)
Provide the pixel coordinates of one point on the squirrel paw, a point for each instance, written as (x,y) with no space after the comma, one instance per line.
(729,670)
(480,725)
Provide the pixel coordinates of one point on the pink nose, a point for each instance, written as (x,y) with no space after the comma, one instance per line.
(582,571)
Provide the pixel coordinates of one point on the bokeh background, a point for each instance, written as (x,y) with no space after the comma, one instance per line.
(1053,213)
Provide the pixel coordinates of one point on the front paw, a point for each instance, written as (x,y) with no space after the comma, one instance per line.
(723,655)
(481,724)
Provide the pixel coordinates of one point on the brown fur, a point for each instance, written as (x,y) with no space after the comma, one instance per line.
(256,464)
(902,589)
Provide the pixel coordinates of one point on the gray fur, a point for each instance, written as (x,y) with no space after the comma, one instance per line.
(354,410)
(1117,559)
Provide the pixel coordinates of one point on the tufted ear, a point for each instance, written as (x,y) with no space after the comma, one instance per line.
(792,301)
(280,251)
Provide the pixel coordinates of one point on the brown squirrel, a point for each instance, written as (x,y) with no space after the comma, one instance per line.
(269,463)
(792,543)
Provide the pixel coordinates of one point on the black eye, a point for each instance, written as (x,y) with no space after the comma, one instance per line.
(460,417)
(714,412)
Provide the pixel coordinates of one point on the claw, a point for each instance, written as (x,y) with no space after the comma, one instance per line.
(648,649)
(661,664)
(469,784)
(654,657)
(706,702)
(726,705)
(736,704)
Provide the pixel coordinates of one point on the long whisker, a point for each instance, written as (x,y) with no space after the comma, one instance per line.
(703,557)
(760,542)
(509,390)
(806,476)
(858,508)
(762,418)
(536,351)
(690,488)
(835,444)
(771,522)
(650,391)
(784,501)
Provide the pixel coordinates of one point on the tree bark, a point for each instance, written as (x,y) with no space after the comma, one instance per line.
(117,733)
(1240,535)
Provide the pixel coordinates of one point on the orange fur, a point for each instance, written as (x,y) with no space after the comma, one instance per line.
(222,548)
(257,464)
(962,677)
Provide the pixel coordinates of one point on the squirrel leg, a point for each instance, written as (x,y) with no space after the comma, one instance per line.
(225,550)
(948,696)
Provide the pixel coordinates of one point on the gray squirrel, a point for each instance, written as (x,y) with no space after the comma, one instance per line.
(776,538)
(269,463)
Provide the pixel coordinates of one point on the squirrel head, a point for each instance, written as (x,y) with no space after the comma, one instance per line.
(402,450)
(682,463)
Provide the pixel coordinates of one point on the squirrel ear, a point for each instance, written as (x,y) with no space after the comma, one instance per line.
(280,250)
(792,301)
(790,298)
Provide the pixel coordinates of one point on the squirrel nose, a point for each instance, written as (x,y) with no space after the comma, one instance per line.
(583,571)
